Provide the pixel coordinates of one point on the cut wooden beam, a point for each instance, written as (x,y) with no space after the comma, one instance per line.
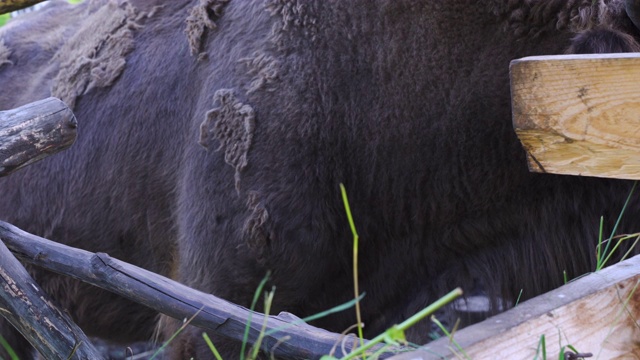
(597,314)
(579,114)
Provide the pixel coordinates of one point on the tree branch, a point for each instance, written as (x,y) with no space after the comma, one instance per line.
(172,298)
(30,310)
(34,131)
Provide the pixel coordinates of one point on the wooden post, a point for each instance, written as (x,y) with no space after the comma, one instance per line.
(34,131)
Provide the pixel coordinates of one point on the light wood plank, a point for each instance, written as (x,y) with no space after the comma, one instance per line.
(598,313)
(579,114)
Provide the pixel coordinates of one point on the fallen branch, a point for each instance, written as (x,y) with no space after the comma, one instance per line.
(29,309)
(172,298)
(34,131)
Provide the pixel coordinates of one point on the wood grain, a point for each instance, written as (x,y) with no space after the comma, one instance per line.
(597,314)
(579,114)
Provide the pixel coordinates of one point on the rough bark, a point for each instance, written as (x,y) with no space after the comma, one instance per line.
(34,131)
(32,312)
(292,339)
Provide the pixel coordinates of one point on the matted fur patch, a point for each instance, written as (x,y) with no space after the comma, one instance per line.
(256,225)
(96,55)
(5,52)
(532,18)
(263,67)
(202,17)
(232,123)
(292,13)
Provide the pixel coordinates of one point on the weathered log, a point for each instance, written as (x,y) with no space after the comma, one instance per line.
(30,310)
(34,131)
(7,6)
(291,340)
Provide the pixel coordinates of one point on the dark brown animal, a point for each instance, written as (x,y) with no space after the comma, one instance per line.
(213,135)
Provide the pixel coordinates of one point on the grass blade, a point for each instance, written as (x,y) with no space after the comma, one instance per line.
(256,296)
(267,308)
(606,252)
(12,354)
(356,289)
(213,349)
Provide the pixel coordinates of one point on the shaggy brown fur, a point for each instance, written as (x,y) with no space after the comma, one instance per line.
(202,17)
(406,102)
(4,54)
(232,124)
(95,55)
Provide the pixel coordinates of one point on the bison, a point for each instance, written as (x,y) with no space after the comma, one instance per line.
(213,136)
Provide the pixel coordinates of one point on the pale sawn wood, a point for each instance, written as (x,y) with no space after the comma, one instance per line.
(579,114)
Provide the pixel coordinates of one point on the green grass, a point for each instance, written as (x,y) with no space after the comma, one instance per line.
(518,298)
(268,301)
(349,304)
(4,18)
(256,296)
(458,351)
(624,311)
(604,249)
(356,289)
(12,354)
(166,343)
(395,335)
(541,350)
(565,350)
(213,349)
